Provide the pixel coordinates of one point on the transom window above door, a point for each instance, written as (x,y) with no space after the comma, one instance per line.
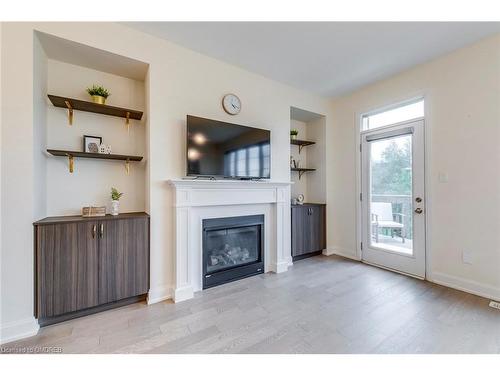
(402,112)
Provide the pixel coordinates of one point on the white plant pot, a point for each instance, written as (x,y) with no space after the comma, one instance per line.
(115,207)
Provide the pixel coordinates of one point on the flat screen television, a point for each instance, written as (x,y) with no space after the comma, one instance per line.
(220,149)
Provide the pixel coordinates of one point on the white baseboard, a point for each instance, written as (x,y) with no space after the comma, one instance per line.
(182,294)
(280,267)
(18,330)
(159,294)
(469,286)
(341,252)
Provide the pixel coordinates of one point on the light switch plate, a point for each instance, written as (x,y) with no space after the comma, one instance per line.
(466,257)
(443,177)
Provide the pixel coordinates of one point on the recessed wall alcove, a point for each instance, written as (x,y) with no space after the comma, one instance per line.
(66,68)
(312,128)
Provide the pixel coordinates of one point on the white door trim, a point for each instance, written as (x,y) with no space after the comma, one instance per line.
(428,171)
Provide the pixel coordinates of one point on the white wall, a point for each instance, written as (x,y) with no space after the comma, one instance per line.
(1,175)
(17,182)
(299,186)
(40,71)
(91,181)
(316,158)
(179,82)
(462,99)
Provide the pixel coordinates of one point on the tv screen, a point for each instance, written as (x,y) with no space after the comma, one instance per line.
(221,149)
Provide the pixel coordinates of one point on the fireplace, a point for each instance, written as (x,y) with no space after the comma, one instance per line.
(232,249)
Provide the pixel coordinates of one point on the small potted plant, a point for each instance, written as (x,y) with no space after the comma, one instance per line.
(115,201)
(294,133)
(99,94)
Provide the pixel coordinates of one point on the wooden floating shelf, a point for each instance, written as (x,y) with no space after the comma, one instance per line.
(302,171)
(81,105)
(91,155)
(94,155)
(301,143)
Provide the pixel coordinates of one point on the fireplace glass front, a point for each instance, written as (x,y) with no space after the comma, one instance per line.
(232,248)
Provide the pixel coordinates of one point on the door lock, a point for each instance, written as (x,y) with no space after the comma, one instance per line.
(418,199)
(418,210)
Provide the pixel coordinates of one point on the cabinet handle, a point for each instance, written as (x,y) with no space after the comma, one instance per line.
(94,230)
(101,231)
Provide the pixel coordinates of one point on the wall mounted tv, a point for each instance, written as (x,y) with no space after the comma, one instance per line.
(224,150)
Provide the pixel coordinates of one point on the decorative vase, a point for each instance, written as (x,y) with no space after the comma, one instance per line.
(115,207)
(293,136)
(98,99)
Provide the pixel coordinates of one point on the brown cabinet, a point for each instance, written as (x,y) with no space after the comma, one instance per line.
(123,259)
(308,230)
(84,263)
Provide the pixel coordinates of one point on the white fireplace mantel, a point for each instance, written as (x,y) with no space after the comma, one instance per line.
(195,200)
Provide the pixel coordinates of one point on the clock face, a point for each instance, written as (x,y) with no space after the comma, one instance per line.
(231,104)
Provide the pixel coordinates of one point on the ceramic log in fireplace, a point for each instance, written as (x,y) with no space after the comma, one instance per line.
(233,248)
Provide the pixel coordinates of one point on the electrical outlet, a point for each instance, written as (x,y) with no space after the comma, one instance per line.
(495,304)
(466,257)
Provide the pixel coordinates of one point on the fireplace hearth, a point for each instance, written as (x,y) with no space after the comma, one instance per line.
(232,249)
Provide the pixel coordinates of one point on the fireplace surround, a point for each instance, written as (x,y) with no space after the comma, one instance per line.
(197,200)
(232,249)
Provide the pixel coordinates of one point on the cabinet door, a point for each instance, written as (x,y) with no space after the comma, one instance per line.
(317,228)
(123,258)
(300,220)
(66,268)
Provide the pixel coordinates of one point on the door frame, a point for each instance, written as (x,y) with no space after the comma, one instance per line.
(390,104)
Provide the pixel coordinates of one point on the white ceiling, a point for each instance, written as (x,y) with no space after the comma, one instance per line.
(327,58)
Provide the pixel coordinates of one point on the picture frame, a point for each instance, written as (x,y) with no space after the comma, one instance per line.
(91,143)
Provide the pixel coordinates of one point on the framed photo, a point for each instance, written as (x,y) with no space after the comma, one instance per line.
(91,143)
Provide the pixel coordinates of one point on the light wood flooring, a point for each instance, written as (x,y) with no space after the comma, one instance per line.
(321,305)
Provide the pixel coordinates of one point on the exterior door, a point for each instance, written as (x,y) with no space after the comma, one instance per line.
(393,204)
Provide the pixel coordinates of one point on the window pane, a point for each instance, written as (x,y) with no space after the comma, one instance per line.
(393,116)
(391,194)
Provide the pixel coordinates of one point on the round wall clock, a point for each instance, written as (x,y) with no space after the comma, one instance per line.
(231,104)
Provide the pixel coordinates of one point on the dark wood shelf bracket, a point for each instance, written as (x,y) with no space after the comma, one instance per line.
(302,171)
(301,143)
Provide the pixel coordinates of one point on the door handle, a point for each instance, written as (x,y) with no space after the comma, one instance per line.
(418,210)
(101,231)
(94,230)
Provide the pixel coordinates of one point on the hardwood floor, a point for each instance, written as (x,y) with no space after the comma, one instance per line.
(322,305)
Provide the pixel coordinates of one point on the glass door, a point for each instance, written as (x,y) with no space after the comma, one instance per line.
(393,197)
